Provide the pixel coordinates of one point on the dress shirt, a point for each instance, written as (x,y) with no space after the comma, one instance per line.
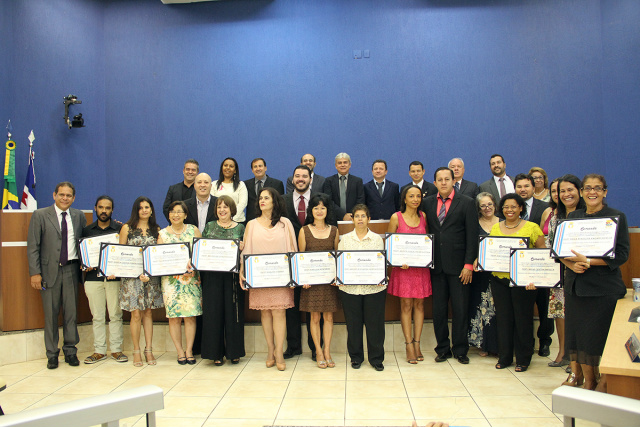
(419,184)
(508,184)
(371,241)
(447,203)
(71,238)
(528,205)
(384,182)
(203,209)
(263,180)
(296,199)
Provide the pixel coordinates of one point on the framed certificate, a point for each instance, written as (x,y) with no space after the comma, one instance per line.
(312,268)
(534,266)
(591,237)
(415,250)
(361,268)
(90,248)
(267,270)
(166,259)
(494,252)
(216,254)
(120,260)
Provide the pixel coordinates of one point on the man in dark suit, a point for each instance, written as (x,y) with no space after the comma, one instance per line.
(317,181)
(416,172)
(344,189)
(53,254)
(381,196)
(525,186)
(202,207)
(453,221)
(257,183)
(461,185)
(500,184)
(182,190)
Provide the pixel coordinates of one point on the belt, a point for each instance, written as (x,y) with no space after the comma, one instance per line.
(70,262)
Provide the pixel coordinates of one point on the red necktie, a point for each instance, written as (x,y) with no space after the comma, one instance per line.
(302,211)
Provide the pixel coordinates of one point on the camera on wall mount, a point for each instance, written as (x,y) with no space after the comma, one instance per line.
(77,121)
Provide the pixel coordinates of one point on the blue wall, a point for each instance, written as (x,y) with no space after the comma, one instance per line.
(546,83)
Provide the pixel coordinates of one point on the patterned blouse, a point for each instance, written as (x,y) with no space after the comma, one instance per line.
(371,241)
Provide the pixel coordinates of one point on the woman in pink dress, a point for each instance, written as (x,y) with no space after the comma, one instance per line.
(270,233)
(411,284)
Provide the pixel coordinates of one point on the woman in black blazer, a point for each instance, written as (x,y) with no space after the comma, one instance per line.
(592,288)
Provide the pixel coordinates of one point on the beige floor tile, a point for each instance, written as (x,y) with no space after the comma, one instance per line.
(54,399)
(206,371)
(378,409)
(375,388)
(201,388)
(426,372)
(88,385)
(495,387)
(225,422)
(391,423)
(263,373)
(12,403)
(512,407)
(584,423)
(312,389)
(479,370)
(259,407)
(172,422)
(467,422)
(40,384)
(525,422)
(546,399)
(172,372)
(24,368)
(450,387)
(251,388)
(542,384)
(366,372)
(12,380)
(308,422)
(318,409)
(164,383)
(110,370)
(13,348)
(312,372)
(444,408)
(188,407)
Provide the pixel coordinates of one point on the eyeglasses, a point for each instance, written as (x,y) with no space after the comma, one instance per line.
(176,212)
(538,178)
(597,189)
(488,206)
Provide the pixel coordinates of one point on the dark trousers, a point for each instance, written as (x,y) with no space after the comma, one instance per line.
(546,327)
(514,317)
(63,294)
(222,316)
(294,325)
(367,310)
(447,287)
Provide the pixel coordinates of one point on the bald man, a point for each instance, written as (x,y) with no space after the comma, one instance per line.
(202,207)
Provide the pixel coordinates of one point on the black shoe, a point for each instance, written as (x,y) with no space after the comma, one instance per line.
(356,365)
(52,363)
(378,367)
(72,360)
(313,355)
(443,357)
(463,359)
(544,350)
(290,353)
(191,360)
(183,360)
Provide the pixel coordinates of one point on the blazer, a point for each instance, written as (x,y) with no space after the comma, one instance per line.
(252,196)
(174,193)
(192,207)
(456,240)
(382,207)
(355,190)
(44,241)
(316,184)
(491,187)
(537,209)
(292,213)
(469,188)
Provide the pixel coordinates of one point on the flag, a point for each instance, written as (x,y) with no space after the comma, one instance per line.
(10,194)
(29,201)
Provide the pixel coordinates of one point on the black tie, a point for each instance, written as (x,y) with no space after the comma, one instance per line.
(64,251)
(380,184)
(259,188)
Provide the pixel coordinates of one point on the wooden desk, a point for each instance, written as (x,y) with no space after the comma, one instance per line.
(623,376)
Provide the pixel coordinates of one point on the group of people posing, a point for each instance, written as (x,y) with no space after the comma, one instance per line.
(486,311)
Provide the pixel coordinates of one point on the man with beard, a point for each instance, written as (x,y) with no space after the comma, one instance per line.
(500,184)
(103,293)
(183,190)
(317,181)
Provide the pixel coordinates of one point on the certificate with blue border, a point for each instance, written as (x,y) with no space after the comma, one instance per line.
(90,248)
(414,250)
(313,268)
(494,252)
(216,254)
(535,266)
(166,259)
(120,260)
(267,270)
(361,268)
(591,237)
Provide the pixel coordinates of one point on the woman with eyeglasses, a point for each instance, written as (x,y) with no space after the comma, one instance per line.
(592,288)
(482,324)
(540,180)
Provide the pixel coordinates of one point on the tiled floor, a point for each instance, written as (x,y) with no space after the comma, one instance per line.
(249,394)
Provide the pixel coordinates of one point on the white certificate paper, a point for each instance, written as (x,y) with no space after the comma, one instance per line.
(90,248)
(267,270)
(415,250)
(313,268)
(215,254)
(494,252)
(120,260)
(534,266)
(167,259)
(361,268)
(591,237)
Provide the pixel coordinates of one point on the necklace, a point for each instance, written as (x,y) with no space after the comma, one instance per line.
(227,225)
(515,226)
(175,232)
(540,193)
(316,227)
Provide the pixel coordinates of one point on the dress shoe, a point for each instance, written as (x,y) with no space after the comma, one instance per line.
(52,363)
(463,359)
(544,351)
(72,360)
(443,357)
(378,367)
(290,353)
(356,365)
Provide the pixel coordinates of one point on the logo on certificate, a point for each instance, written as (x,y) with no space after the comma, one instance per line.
(153,250)
(427,239)
(255,260)
(301,257)
(379,255)
(609,223)
(183,247)
(490,241)
(521,254)
(113,248)
(233,244)
(521,243)
(397,238)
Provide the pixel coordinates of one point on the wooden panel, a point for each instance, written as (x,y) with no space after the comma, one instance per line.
(623,386)
(631,268)
(14,226)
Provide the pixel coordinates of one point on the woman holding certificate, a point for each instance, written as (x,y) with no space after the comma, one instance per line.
(592,288)
(270,233)
(182,294)
(514,305)
(319,300)
(222,298)
(411,284)
(142,294)
(229,184)
(363,304)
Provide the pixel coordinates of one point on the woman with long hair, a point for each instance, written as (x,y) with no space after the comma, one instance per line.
(229,183)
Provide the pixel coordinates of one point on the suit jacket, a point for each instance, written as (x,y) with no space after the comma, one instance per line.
(292,213)
(192,207)
(316,184)
(491,187)
(469,188)
(355,190)
(382,207)
(174,193)
(537,209)
(456,240)
(252,197)
(44,241)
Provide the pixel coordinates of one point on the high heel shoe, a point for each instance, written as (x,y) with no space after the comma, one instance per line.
(271,363)
(411,358)
(148,356)
(419,356)
(137,364)
(281,366)
(574,380)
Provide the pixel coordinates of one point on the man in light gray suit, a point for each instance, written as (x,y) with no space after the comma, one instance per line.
(54,267)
